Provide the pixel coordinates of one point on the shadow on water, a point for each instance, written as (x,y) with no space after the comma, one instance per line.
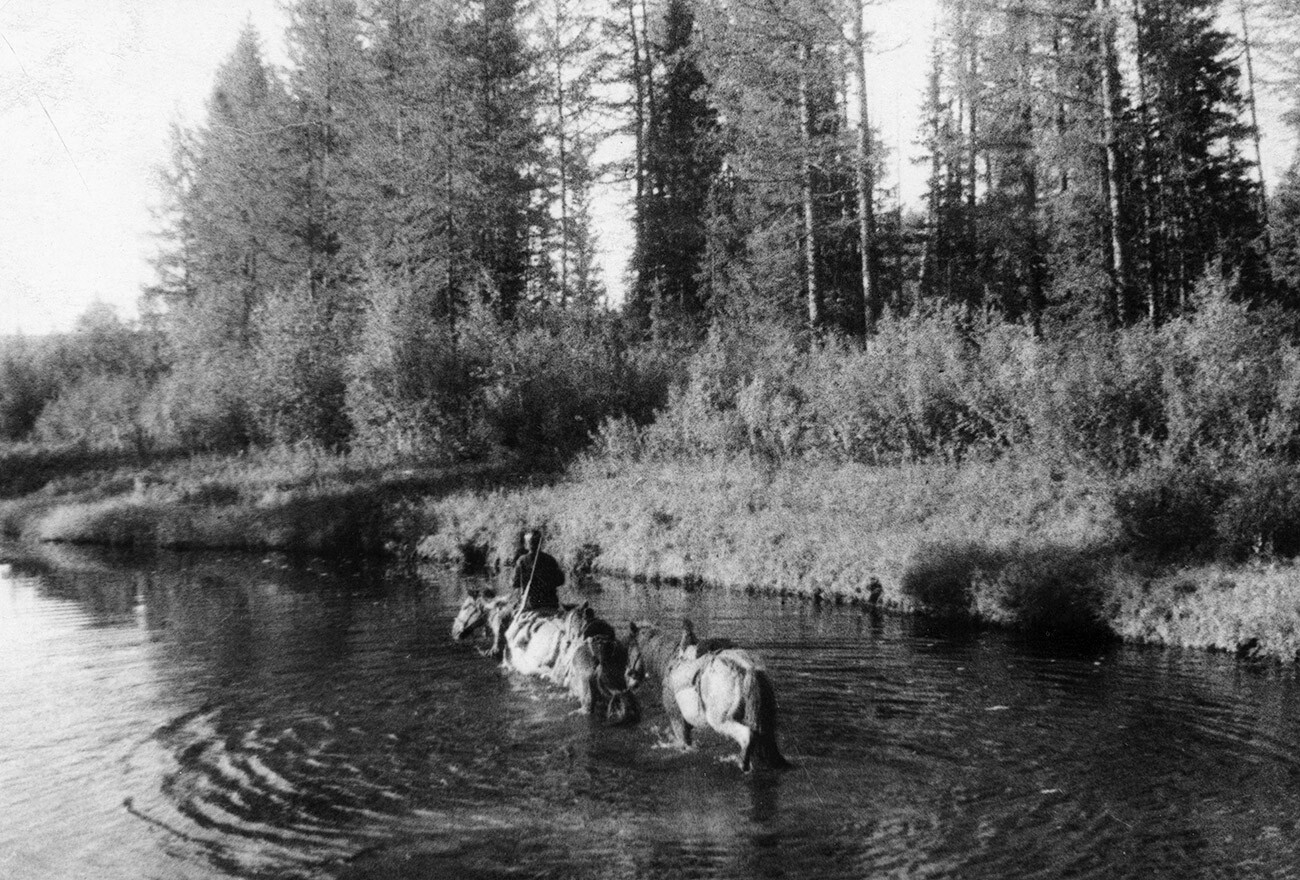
(263,716)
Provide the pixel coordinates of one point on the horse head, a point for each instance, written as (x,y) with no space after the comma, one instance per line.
(473,613)
(638,665)
(612,664)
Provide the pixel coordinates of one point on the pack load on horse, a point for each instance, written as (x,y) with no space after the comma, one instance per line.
(709,683)
(596,668)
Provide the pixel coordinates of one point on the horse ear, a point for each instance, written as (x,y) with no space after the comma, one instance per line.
(632,627)
(688,628)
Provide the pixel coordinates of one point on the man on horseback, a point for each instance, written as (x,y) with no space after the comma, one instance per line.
(538,577)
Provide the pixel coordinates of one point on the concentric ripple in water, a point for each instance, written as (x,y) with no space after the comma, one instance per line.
(199,717)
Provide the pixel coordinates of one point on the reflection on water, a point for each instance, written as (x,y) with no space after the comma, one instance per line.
(197,716)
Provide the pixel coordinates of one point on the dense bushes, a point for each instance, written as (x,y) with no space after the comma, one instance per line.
(400,383)
(1194,424)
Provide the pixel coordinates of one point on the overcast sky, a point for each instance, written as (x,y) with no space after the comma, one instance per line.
(88,89)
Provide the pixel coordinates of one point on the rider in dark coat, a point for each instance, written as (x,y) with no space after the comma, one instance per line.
(538,568)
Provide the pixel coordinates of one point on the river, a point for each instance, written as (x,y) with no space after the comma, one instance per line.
(204,716)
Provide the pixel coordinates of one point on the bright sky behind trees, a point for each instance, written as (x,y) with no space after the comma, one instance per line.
(88,89)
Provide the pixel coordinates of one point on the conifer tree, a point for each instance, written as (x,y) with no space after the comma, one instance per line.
(327,84)
(227,248)
(1203,200)
(571,64)
(679,164)
(500,215)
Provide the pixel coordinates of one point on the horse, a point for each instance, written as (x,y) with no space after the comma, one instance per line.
(483,609)
(721,686)
(536,642)
(570,647)
(595,668)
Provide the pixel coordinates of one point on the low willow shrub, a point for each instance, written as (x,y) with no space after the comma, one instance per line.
(1045,590)
(1170,509)
(1035,587)
(1260,517)
(944,384)
(1202,510)
(941,578)
(541,384)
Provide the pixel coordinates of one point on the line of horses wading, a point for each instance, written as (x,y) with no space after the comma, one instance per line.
(704,683)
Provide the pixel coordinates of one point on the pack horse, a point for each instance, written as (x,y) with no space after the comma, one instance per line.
(712,684)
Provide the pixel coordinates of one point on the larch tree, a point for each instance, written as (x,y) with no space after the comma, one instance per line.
(326,80)
(571,65)
(227,247)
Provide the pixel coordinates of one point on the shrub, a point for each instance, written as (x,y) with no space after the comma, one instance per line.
(408,385)
(99,412)
(1170,508)
(1043,590)
(1096,397)
(940,577)
(1261,515)
(297,391)
(202,404)
(27,384)
(1221,372)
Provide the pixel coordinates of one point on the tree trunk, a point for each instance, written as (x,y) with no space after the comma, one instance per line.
(973,289)
(1146,177)
(561,136)
(1114,195)
(929,255)
(871,304)
(448,181)
(638,85)
(806,194)
(1254,122)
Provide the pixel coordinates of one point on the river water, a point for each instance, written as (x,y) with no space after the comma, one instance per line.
(200,716)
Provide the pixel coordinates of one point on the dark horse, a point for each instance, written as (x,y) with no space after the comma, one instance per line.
(595,667)
(709,683)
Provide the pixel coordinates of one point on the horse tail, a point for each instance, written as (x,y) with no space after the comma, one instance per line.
(760,717)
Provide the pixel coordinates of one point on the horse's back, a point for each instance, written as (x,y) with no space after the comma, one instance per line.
(536,641)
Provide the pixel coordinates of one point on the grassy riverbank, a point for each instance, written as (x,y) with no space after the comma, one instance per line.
(1013,543)
(293,499)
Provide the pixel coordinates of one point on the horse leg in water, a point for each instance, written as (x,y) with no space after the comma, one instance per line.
(724,689)
(582,677)
(677,723)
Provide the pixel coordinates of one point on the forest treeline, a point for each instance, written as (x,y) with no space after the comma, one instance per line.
(389,243)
